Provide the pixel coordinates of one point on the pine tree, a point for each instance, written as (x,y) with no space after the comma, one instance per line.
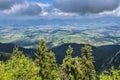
(78,69)
(87,66)
(54,70)
(20,67)
(68,67)
(42,60)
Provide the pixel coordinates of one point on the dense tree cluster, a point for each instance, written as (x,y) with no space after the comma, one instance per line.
(44,67)
(112,74)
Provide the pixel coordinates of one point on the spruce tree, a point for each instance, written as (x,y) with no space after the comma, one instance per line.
(54,70)
(20,67)
(68,67)
(87,66)
(78,74)
(42,60)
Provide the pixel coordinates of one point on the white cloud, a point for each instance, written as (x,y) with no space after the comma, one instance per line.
(46,9)
(14,9)
(44,5)
(57,12)
(115,12)
(24,9)
(7,4)
(43,13)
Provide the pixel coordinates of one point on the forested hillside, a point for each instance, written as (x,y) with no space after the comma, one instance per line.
(45,67)
(102,54)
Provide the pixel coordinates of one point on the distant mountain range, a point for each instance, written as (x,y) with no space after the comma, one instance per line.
(105,56)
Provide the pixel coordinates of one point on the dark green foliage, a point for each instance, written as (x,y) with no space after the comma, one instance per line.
(46,62)
(19,67)
(71,66)
(53,68)
(42,60)
(112,74)
(2,70)
(87,66)
(4,56)
(68,66)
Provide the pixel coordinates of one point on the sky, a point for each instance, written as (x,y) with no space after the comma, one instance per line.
(58,8)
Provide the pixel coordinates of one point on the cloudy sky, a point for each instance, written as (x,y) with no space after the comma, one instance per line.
(31,8)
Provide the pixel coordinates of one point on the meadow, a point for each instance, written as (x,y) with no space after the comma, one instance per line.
(27,33)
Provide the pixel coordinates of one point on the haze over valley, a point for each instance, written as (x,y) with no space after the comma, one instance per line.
(57,31)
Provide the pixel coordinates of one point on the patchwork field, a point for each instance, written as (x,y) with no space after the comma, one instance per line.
(58,31)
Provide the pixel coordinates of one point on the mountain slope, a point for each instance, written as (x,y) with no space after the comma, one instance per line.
(101,54)
(105,56)
(7,48)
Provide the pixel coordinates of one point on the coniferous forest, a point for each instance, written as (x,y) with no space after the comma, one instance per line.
(45,67)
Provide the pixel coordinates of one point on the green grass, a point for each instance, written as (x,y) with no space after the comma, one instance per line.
(29,37)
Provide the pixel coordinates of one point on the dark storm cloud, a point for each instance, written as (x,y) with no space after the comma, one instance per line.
(86,6)
(30,10)
(19,8)
(7,4)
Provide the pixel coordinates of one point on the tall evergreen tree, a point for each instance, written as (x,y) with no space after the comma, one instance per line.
(54,70)
(68,67)
(42,60)
(78,69)
(87,66)
(20,67)
(46,62)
